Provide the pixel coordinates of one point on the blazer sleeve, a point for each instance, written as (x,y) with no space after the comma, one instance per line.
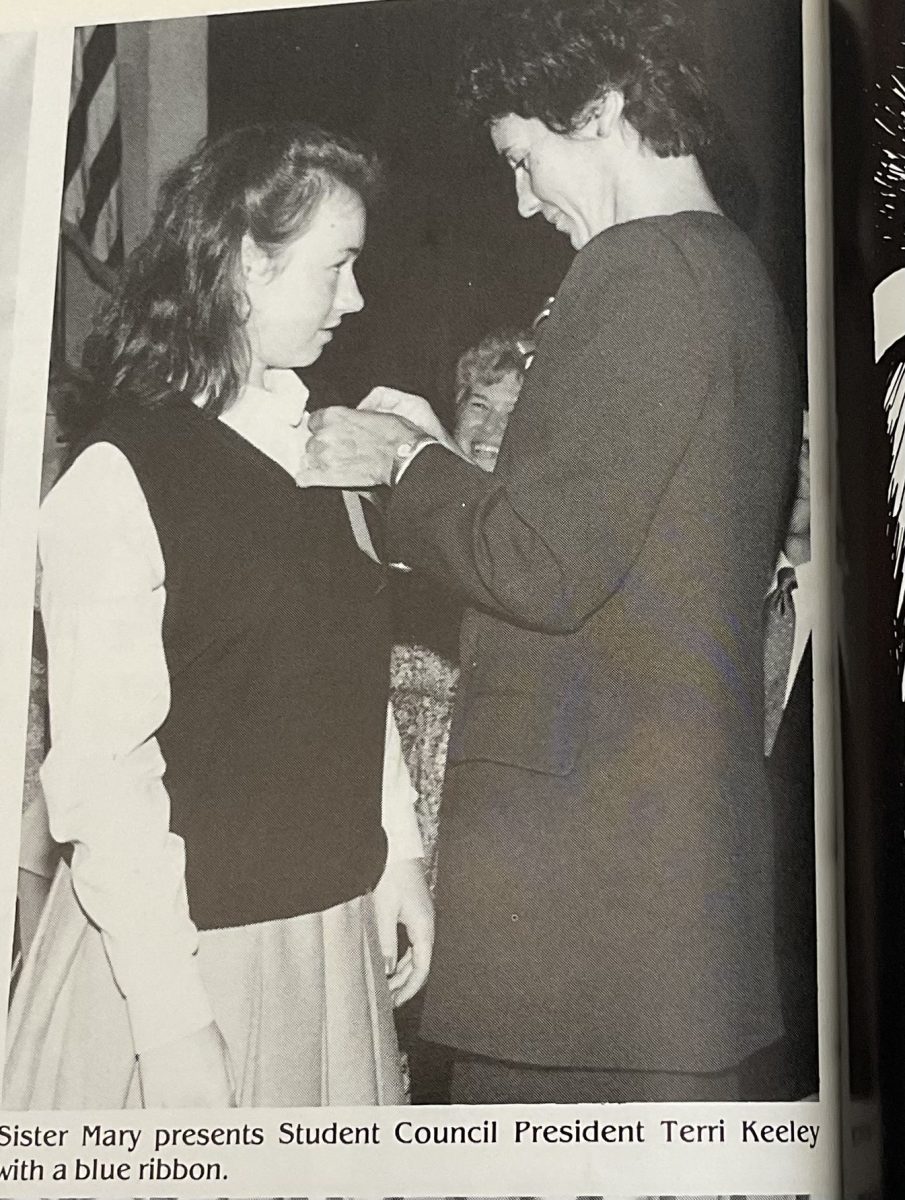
(594,443)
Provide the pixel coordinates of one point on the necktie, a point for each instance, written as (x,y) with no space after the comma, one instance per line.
(779,639)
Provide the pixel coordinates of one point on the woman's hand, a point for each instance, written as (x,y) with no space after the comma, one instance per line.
(402,898)
(414,409)
(356,447)
(352,449)
(192,1072)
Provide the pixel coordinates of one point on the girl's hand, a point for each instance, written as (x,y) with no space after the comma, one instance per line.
(192,1072)
(402,898)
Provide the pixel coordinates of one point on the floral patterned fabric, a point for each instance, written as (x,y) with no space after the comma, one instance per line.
(423,689)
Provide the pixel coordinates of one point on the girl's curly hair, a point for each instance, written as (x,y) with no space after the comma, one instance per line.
(175,328)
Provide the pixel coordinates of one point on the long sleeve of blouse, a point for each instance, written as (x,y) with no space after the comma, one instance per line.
(103,596)
(102,600)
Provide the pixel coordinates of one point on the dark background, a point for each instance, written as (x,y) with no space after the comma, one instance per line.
(448,258)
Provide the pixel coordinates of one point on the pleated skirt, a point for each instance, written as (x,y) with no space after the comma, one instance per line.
(302,1004)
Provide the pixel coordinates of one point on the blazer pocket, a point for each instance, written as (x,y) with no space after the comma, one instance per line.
(537,733)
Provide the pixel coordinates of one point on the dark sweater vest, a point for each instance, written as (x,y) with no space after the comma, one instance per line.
(276,637)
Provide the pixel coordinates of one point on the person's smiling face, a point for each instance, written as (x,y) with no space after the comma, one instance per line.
(559,175)
(483,417)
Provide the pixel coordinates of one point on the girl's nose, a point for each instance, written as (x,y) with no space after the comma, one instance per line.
(350,299)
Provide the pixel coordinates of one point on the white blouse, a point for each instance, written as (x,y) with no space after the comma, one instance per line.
(102,600)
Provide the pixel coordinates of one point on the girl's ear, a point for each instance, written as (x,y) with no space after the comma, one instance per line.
(255,263)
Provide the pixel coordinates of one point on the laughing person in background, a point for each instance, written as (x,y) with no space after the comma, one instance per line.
(605,889)
(488,380)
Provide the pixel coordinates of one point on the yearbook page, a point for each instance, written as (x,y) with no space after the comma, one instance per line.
(421,760)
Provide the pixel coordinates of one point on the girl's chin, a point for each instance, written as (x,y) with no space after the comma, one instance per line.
(309,356)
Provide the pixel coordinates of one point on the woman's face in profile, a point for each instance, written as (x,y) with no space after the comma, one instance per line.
(483,418)
(298,299)
(558,175)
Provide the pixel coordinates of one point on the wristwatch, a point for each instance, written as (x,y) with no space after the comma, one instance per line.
(405,453)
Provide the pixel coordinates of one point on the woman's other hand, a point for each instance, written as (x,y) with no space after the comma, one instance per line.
(191,1072)
(404,404)
(402,898)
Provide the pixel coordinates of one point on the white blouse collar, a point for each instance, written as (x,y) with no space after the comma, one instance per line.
(283,399)
(272,417)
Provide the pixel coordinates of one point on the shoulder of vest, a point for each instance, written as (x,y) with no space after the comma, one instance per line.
(124,423)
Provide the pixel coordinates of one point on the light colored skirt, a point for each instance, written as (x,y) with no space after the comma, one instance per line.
(302,1004)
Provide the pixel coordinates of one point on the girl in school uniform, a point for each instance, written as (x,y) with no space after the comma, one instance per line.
(224,771)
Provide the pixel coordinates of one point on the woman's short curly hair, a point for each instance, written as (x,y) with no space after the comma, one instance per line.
(555,59)
(504,352)
(175,329)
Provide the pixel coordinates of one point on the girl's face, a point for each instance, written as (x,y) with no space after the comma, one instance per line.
(299,298)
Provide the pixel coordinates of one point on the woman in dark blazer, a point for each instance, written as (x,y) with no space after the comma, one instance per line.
(605,864)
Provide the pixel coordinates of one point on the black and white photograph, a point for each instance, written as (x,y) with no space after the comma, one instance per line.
(421,702)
